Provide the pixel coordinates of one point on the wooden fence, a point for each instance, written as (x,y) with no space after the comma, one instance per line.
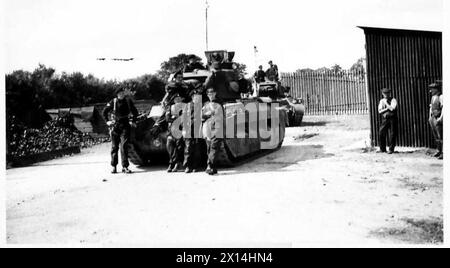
(326,93)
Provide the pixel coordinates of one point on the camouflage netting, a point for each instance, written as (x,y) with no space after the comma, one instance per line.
(54,135)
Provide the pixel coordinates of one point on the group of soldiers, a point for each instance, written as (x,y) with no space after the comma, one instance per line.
(185,151)
(388,107)
(271,74)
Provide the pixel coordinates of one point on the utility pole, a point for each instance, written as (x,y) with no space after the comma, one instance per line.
(206,14)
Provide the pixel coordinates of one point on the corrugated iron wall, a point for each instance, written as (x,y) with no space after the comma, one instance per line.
(406,62)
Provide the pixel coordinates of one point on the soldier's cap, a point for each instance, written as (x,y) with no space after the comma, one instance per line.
(436,85)
(270,62)
(118,90)
(386,90)
(192,57)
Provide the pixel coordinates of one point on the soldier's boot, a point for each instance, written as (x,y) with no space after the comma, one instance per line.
(213,172)
(114,170)
(208,169)
(188,170)
(438,154)
(178,167)
(170,168)
(126,170)
(441,157)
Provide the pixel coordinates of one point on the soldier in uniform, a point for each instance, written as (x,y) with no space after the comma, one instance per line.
(177,86)
(212,115)
(121,107)
(436,117)
(175,143)
(260,75)
(272,72)
(192,139)
(193,65)
(387,108)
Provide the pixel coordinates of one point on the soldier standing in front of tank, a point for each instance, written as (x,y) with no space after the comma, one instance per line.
(177,86)
(389,122)
(121,107)
(192,146)
(436,117)
(212,115)
(175,142)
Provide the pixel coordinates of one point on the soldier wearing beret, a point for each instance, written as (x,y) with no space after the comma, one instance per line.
(175,142)
(436,117)
(120,108)
(387,108)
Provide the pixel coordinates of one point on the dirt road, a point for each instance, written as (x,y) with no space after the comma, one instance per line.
(323,187)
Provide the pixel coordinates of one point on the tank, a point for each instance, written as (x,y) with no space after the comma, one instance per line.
(274,90)
(147,147)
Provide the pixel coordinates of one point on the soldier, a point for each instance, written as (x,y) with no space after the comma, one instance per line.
(177,86)
(272,72)
(175,143)
(436,117)
(192,146)
(260,75)
(388,110)
(212,115)
(120,127)
(193,65)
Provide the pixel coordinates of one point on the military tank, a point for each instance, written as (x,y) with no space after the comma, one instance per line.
(277,92)
(147,148)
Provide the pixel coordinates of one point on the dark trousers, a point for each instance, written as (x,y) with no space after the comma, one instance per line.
(214,146)
(120,137)
(438,131)
(192,153)
(389,129)
(175,148)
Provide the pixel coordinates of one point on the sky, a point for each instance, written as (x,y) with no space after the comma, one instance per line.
(69,35)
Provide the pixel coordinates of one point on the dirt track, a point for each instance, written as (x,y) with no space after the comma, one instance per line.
(323,187)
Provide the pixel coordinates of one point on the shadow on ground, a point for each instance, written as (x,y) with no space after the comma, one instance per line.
(287,156)
(426,231)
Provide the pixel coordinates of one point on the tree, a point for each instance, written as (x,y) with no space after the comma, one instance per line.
(241,68)
(359,66)
(336,69)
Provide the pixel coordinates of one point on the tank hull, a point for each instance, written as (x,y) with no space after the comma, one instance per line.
(147,148)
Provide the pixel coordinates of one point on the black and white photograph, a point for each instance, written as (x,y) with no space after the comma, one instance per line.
(223,124)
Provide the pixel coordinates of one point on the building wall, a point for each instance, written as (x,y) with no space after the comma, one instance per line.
(406,62)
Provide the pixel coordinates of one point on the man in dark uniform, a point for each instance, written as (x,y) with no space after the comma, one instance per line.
(212,115)
(120,107)
(436,117)
(389,123)
(272,72)
(193,65)
(177,86)
(260,75)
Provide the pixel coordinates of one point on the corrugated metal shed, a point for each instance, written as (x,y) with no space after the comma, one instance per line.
(405,61)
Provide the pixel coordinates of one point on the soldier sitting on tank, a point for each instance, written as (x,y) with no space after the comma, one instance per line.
(272,72)
(192,138)
(120,127)
(260,75)
(177,86)
(175,142)
(212,115)
(193,65)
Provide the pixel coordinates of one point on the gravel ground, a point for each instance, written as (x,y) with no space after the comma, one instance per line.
(323,187)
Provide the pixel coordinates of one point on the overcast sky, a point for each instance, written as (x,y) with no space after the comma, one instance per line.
(70,35)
